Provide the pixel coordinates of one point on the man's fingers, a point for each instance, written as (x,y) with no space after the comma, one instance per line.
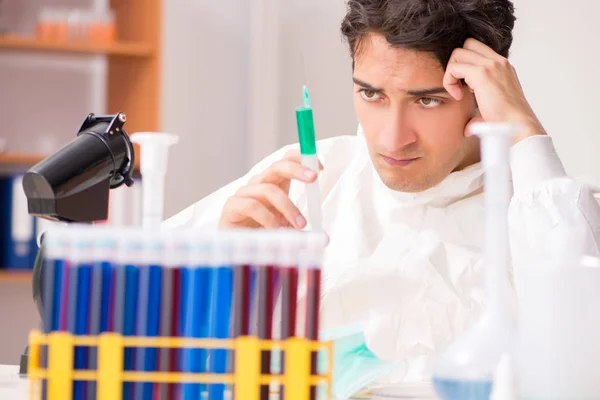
(294,155)
(465,56)
(455,72)
(273,197)
(481,48)
(255,210)
(285,170)
(471,63)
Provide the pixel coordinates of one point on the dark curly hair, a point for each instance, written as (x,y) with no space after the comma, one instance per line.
(437,26)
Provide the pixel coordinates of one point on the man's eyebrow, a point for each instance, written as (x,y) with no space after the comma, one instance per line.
(427,92)
(366,85)
(418,92)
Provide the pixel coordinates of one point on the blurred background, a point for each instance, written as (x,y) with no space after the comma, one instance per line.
(226,77)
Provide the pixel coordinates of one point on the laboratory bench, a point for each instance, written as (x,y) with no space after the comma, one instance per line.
(12,386)
(15,387)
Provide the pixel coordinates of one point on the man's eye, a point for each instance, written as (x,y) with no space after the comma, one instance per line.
(369,95)
(429,102)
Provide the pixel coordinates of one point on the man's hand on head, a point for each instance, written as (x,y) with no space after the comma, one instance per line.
(495,84)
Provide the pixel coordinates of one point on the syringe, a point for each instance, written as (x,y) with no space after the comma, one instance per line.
(308,150)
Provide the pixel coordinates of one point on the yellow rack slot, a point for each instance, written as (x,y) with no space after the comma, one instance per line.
(110,375)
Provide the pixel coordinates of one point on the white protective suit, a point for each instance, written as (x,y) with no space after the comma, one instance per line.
(409,266)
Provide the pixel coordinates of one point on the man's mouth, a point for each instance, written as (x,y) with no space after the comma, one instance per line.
(399,162)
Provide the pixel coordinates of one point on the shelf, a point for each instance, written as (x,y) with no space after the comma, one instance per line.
(12,158)
(12,161)
(130,49)
(15,276)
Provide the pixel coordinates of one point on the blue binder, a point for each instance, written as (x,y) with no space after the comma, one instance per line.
(18,246)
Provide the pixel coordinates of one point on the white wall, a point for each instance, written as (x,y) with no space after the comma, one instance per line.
(557,55)
(204,95)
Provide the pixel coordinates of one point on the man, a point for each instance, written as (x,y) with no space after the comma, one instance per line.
(402,201)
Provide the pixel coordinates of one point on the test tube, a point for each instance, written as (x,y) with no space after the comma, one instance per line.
(172,261)
(55,253)
(241,286)
(110,29)
(44,24)
(123,300)
(148,317)
(80,257)
(288,261)
(62,300)
(104,249)
(221,308)
(60,24)
(115,278)
(314,248)
(74,22)
(185,285)
(198,312)
(241,258)
(55,249)
(265,259)
(102,27)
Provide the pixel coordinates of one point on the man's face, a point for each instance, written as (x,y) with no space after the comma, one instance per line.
(414,129)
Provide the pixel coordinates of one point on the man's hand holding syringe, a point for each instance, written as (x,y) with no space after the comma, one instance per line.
(264,202)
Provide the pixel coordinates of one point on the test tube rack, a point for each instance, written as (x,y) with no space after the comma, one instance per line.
(74,358)
(246,378)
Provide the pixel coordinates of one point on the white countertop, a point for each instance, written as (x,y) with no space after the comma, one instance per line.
(15,387)
(12,386)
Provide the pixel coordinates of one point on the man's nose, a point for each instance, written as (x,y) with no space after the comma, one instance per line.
(398,132)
